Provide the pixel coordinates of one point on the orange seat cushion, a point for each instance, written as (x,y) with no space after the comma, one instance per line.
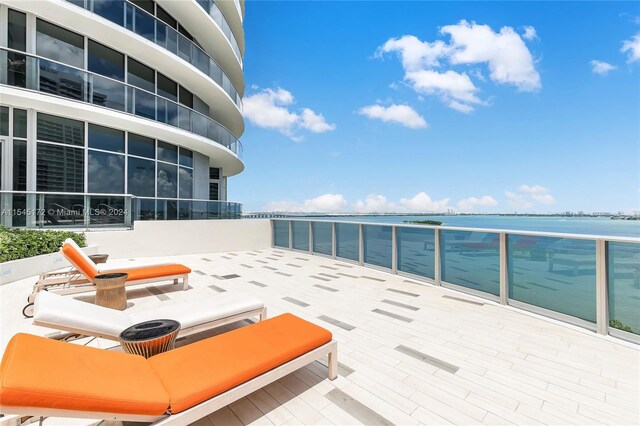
(79,261)
(194,373)
(45,373)
(155,271)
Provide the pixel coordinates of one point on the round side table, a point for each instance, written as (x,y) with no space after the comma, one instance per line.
(99,258)
(110,291)
(150,338)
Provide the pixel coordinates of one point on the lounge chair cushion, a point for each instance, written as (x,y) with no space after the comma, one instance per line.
(151,272)
(79,259)
(194,373)
(44,373)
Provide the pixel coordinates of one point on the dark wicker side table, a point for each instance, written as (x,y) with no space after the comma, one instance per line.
(110,291)
(99,258)
(150,338)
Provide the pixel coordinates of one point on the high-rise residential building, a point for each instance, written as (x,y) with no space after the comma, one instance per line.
(109,105)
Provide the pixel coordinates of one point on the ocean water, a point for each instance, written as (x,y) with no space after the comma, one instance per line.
(570,225)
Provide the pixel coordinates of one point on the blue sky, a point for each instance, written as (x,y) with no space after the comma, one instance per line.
(429,106)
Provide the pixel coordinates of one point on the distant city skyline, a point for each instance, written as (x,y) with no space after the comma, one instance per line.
(431,107)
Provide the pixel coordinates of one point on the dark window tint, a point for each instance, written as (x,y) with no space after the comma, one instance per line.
(167,180)
(185,33)
(106,138)
(60,168)
(165,17)
(186,97)
(4,121)
(19,165)
(59,44)
(17,30)
(213,191)
(214,173)
(140,75)
(105,61)
(106,172)
(19,123)
(146,5)
(186,183)
(142,177)
(146,209)
(142,146)
(167,87)
(112,10)
(167,152)
(186,157)
(62,130)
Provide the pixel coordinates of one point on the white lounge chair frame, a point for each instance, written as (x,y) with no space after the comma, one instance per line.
(204,408)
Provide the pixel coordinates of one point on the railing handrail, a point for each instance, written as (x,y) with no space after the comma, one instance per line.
(160,21)
(97,194)
(125,85)
(487,230)
(237,53)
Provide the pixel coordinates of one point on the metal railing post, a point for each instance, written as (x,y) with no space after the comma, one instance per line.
(273,233)
(504,270)
(394,250)
(310,237)
(602,291)
(436,250)
(290,234)
(361,244)
(334,243)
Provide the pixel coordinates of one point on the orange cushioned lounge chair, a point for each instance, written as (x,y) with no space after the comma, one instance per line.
(176,387)
(138,273)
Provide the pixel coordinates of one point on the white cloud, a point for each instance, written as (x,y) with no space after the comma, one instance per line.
(632,48)
(600,67)
(506,55)
(530,33)
(419,203)
(528,195)
(269,109)
(422,203)
(470,204)
(401,114)
(323,203)
(375,204)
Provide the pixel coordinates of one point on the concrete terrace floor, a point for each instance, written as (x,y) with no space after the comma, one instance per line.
(409,353)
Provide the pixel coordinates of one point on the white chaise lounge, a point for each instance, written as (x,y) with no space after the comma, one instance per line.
(75,316)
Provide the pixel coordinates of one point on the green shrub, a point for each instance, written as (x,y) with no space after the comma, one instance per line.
(22,243)
(620,325)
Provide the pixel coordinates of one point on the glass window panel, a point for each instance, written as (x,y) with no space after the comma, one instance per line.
(106,138)
(106,173)
(145,104)
(348,241)
(62,80)
(59,168)
(105,211)
(144,24)
(19,165)
(280,232)
(554,273)
(471,259)
(142,177)
(184,210)
(146,209)
(377,245)
(186,183)
(19,123)
(624,286)
(17,69)
(214,173)
(17,30)
(106,61)
(108,93)
(186,97)
(300,231)
(19,210)
(416,251)
(113,10)
(199,210)
(322,237)
(142,146)
(186,157)
(167,180)
(62,130)
(59,44)
(165,17)
(167,88)
(146,5)
(63,210)
(140,75)
(167,209)
(167,152)
(4,121)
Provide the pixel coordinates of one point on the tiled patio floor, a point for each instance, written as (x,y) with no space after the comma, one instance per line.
(409,353)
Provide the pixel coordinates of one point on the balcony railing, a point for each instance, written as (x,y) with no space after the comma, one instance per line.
(53,78)
(212,9)
(590,281)
(141,22)
(53,210)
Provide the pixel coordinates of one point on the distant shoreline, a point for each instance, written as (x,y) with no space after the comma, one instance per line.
(300,214)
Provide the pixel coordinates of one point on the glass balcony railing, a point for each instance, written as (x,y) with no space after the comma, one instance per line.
(141,22)
(589,281)
(52,210)
(212,9)
(45,76)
